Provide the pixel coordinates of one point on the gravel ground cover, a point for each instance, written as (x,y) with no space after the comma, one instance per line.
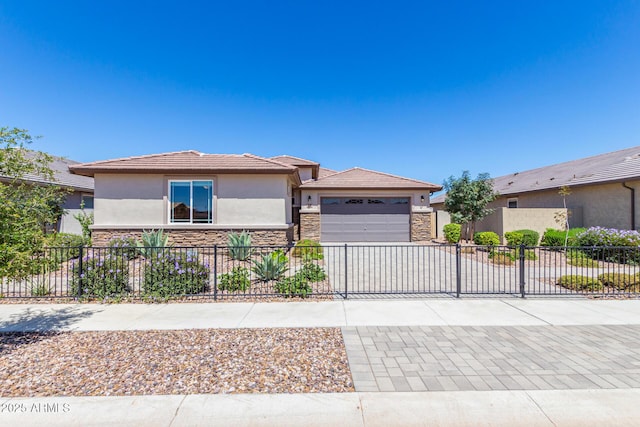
(274,360)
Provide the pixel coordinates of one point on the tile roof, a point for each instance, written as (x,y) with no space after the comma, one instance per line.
(325,172)
(63,177)
(363,178)
(186,161)
(615,166)
(294,161)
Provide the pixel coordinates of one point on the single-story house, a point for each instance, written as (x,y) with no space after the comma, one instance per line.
(81,193)
(602,193)
(199,198)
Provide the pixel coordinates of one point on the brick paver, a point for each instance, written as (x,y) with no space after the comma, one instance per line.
(457,358)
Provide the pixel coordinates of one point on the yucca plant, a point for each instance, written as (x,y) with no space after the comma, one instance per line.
(271,266)
(240,246)
(151,240)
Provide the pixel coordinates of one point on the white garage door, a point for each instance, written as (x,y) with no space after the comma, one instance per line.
(365,219)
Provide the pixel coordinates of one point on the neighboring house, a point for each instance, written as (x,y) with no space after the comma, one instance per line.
(603,193)
(199,198)
(81,192)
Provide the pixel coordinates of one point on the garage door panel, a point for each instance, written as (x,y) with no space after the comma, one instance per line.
(365,228)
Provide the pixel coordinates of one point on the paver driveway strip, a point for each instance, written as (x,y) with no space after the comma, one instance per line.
(483,358)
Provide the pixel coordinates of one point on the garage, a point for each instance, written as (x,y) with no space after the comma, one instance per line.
(365,219)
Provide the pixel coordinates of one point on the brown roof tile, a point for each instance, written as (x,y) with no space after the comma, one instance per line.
(323,172)
(295,161)
(185,161)
(363,178)
(615,166)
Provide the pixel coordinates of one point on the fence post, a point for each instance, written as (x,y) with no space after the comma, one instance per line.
(458,269)
(215,272)
(522,249)
(80,270)
(346,276)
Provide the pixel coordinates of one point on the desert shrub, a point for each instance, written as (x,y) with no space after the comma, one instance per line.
(169,274)
(529,254)
(579,283)
(101,276)
(151,241)
(124,246)
(555,238)
(63,246)
(514,238)
(452,232)
(501,257)
(486,238)
(312,272)
(239,246)
(619,280)
(529,237)
(609,244)
(271,266)
(296,285)
(307,249)
(237,280)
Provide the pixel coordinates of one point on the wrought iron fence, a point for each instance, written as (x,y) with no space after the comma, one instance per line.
(330,271)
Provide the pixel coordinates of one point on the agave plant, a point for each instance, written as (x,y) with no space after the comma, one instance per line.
(271,266)
(151,241)
(240,246)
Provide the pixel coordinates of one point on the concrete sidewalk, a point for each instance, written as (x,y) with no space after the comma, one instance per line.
(525,327)
(496,408)
(426,312)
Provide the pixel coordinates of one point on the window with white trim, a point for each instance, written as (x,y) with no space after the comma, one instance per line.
(191,202)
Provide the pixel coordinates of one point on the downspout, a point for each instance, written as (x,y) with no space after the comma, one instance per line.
(633,205)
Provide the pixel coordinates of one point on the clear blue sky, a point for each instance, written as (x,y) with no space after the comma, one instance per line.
(423,89)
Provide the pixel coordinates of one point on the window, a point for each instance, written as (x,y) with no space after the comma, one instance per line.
(86,201)
(191,202)
(512,203)
(375,201)
(354,202)
(330,201)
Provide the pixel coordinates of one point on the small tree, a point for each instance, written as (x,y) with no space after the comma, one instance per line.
(565,191)
(467,200)
(25,206)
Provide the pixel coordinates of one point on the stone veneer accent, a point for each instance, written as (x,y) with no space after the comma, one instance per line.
(198,236)
(421,226)
(310,226)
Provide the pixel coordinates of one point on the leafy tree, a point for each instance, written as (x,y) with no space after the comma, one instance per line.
(28,202)
(467,200)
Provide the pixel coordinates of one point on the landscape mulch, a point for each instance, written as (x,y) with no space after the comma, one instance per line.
(122,363)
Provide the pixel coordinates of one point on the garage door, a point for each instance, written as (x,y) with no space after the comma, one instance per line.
(368,219)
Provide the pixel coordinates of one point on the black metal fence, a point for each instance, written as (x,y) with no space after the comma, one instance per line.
(330,271)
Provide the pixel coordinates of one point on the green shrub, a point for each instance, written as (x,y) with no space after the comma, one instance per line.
(307,249)
(619,280)
(486,238)
(101,277)
(240,246)
(579,283)
(271,266)
(555,238)
(151,241)
(501,257)
(124,246)
(63,246)
(452,232)
(237,280)
(514,238)
(529,254)
(529,237)
(40,290)
(295,285)
(609,244)
(312,272)
(170,274)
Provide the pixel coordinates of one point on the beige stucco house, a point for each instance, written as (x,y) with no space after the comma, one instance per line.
(602,193)
(199,198)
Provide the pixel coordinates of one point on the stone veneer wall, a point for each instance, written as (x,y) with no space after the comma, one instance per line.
(421,226)
(198,237)
(310,226)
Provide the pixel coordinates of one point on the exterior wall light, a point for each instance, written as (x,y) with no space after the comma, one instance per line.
(422,199)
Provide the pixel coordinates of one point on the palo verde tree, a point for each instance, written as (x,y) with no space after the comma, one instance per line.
(28,201)
(467,200)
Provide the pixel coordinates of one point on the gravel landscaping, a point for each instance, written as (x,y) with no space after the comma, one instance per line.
(274,360)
